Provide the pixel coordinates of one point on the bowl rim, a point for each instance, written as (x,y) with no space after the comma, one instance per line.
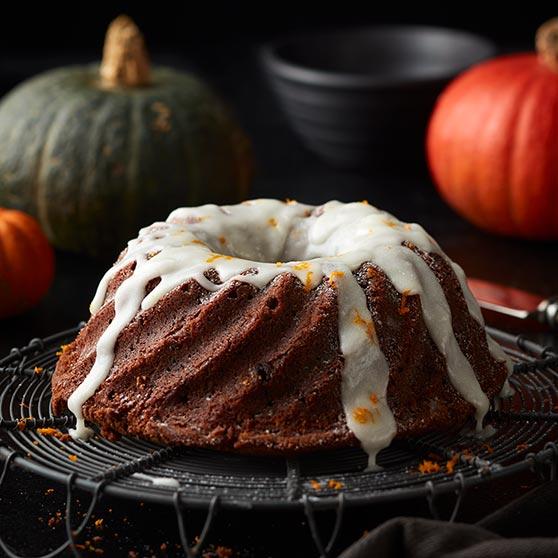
(291,71)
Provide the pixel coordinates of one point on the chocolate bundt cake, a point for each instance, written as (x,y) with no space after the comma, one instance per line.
(275,328)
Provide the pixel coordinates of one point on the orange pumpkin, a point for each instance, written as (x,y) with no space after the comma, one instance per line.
(26,262)
(492,142)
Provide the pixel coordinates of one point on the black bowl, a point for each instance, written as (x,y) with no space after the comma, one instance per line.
(362,97)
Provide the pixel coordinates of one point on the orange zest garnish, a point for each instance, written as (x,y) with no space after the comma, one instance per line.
(37,369)
(403,308)
(334,275)
(63,349)
(427,467)
(315,484)
(362,415)
(301,266)
(451,463)
(48,431)
(335,484)
(366,324)
(390,223)
(73,457)
(308,282)
(54,432)
(214,257)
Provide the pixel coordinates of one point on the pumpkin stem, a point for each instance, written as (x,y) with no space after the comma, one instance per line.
(125,59)
(546,41)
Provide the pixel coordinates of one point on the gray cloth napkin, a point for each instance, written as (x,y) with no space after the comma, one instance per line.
(528,527)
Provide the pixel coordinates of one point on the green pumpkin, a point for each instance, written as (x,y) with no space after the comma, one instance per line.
(93,162)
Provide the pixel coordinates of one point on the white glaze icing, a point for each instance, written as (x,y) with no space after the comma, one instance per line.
(273,237)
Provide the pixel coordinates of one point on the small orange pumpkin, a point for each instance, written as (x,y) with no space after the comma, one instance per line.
(26,262)
(492,142)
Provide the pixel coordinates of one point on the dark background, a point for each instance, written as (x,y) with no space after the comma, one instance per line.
(173,25)
(219,41)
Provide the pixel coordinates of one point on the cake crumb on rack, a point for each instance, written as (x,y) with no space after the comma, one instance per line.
(426,467)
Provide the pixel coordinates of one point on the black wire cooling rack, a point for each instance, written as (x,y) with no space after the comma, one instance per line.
(526,428)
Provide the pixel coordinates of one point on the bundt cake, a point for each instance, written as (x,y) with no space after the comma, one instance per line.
(275,327)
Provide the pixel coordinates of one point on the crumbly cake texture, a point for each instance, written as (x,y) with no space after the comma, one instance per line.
(277,328)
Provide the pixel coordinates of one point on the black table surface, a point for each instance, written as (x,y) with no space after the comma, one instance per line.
(284,169)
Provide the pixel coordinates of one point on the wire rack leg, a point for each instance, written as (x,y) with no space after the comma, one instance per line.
(6,466)
(459,491)
(193,551)
(325,551)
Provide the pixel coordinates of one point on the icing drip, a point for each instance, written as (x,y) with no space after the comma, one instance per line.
(363,394)
(254,242)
